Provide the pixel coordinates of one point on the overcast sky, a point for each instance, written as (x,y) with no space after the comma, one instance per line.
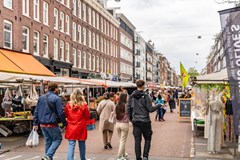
(174,27)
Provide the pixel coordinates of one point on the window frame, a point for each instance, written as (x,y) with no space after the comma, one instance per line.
(10,32)
(61,21)
(36,11)
(62,51)
(67,24)
(27,39)
(36,41)
(5,4)
(45,54)
(45,17)
(55,50)
(67,48)
(55,18)
(25,7)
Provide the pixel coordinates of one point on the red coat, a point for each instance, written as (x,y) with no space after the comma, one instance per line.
(76,122)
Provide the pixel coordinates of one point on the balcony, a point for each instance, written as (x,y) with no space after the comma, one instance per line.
(137,40)
(137,52)
(137,65)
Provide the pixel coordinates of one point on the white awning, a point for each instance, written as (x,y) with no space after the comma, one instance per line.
(218,77)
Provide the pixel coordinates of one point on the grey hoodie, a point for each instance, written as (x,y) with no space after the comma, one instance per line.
(139,106)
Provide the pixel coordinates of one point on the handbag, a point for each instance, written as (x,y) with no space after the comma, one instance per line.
(112,118)
(58,120)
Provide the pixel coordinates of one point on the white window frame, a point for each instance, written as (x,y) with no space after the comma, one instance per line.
(93,18)
(55,56)
(89,16)
(67,24)
(89,38)
(45,54)
(7,31)
(93,63)
(84,60)
(27,39)
(97,39)
(79,33)
(93,41)
(74,57)
(97,17)
(79,59)
(89,61)
(25,7)
(8,4)
(36,14)
(36,42)
(97,62)
(61,23)
(56,18)
(67,52)
(84,36)
(79,9)
(74,36)
(67,3)
(84,12)
(61,50)
(74,7)
(45,13)
(102,65)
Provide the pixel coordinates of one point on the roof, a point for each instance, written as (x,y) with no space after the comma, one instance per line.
(218,77)
(17,62)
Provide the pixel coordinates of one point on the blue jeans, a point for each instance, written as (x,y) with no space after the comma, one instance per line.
(71,148)
(53,138)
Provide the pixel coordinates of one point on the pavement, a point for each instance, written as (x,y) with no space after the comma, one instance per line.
(172,140)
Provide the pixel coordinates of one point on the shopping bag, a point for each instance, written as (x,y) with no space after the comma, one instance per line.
(33,139)
(112,118)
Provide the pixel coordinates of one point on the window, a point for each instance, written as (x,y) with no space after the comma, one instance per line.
(105,45)
(7,34)
(36,43)
(97,17)
(61,50)
(105,65)
(89,61)
(45,13)
(89,15)
(101,43)
(90,39)
(45,45)
(104,25)
(25,39)
(25,7)
(102,64)
(97,43)
(84,60)
(55,48)
(93,19)
(79,59)
(67,24)
(94,41)
(55,19)
(74,31)
(67,3)
(79,34)
(84,12)
(61,24)
(36,10)
(97,62)
(67,52)
(84,36)
(101,21)
(94,65)
(74,11)
(7,4)
(74,58)
(79,9)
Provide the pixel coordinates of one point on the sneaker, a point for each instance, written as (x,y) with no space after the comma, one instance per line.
(145,158)
(109,145)
(106,147)
(46,158)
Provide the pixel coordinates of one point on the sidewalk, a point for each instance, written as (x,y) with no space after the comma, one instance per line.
(13,142)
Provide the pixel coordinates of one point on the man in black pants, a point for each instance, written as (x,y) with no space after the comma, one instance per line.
(139,106)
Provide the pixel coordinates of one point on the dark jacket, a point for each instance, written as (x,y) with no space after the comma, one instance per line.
(228,105)
(139,106)
(43,115)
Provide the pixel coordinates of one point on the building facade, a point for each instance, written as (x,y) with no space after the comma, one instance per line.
(164,68)
(76,38)
(139,57)
(126,39)
(156,68)
(149,62)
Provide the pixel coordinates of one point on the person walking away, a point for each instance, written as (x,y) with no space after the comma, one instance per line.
(229,121)
(160,111)
(49,107)
(172,103)
(77,114)
(122,124)
(139,107)
(104,109)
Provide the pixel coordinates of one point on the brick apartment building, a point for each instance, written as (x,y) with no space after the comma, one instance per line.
(70,37)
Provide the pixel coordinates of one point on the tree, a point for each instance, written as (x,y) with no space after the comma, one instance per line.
(192,72)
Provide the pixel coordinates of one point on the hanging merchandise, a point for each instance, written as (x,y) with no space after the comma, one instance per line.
(7,99)
(32,98)
(17,104)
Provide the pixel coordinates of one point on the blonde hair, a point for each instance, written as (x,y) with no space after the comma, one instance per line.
(77,98)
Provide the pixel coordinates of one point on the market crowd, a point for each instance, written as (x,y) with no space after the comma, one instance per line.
(114,110)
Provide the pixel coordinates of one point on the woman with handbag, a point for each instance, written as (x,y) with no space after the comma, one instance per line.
(104,109)
(77,114)
(122,124)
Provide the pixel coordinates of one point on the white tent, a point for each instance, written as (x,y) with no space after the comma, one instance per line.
(218,77)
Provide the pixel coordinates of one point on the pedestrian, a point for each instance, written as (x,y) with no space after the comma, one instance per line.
(161,111)
(172,103)
(122,124)
(139,107)
(104,109)
(77,114)
(49,109)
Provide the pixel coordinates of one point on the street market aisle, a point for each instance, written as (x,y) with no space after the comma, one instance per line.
(171,139)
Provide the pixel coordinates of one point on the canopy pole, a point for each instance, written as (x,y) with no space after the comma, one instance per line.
(88,95)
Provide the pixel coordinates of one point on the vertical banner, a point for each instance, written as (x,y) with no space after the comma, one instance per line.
(230,22)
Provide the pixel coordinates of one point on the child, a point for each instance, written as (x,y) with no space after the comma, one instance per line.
(160,111)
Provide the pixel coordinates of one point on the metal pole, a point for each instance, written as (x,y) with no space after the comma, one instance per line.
(235,148)
(88,95)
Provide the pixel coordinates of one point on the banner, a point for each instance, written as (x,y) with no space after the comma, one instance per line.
(184,75)
(230,22)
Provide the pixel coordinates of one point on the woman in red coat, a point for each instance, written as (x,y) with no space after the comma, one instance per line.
(77,114)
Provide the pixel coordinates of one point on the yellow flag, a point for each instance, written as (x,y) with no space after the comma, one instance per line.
(184,75)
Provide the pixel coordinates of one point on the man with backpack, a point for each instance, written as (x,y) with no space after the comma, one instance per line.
(139,107)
